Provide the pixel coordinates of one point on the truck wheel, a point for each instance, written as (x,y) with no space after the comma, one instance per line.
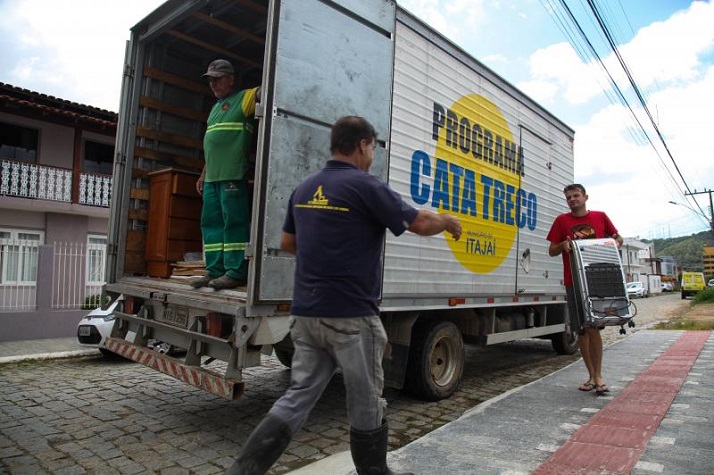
(284,356)
(565,343)
(284,351)
(108,354)
(436,360)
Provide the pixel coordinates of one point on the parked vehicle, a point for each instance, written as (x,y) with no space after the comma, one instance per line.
(692,282)
(636,289)
(710,283)
(667,287)
(94,328)
(453,137)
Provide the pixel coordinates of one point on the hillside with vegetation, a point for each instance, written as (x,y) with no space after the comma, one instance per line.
(687,250)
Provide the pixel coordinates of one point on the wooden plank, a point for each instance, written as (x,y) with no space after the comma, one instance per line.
(178,81)
(174,139)
(139,214)
(185,112)
(137,194)
(134,258)
(230,28)
(137,173)
(217,49)
(179,161)
(134,263)
(136,240)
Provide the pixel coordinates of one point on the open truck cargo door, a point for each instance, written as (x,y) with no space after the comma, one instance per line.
(324,61)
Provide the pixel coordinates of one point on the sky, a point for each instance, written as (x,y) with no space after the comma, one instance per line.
(633,161)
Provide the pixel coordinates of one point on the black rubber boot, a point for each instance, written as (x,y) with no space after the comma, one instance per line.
(264,446)
(369,451)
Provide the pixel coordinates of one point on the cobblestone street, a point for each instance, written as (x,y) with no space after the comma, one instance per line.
(91,415)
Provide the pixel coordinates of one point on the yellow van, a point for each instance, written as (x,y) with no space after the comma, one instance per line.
(692,282)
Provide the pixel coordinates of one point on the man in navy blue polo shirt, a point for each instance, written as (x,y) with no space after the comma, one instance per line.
(335,225)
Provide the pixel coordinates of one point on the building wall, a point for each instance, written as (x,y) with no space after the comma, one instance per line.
(56,142)
(97,225)
(66,228)
(61,222)
(14,218)
(708,261)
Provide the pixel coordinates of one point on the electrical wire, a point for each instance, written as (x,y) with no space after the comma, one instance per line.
(602,25)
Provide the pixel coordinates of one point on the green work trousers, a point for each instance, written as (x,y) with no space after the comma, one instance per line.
(225,225)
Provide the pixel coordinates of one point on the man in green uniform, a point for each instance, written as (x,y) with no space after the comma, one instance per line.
(225,216)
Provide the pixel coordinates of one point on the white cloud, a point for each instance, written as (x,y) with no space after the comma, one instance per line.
(671,50)
(75,52)
(561,66)
(456,19)
(625,175)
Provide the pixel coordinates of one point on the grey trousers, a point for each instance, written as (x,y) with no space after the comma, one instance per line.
(356,346)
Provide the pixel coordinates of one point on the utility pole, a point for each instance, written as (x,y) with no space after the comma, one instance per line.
(711,205)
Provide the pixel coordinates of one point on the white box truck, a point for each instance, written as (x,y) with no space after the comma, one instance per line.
(454,137)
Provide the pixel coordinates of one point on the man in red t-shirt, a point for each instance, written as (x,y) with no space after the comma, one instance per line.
(581,224)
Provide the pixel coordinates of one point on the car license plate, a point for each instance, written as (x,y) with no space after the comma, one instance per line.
(175,315)
(85,331)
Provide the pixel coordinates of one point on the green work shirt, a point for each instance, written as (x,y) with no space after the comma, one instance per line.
(229,136)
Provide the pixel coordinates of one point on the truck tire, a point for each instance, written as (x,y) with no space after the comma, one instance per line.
(565,343)
(285,356)
(108,354)
(284,351)
(436,360)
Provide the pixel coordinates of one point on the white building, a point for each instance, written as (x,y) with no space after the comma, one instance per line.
(640,264)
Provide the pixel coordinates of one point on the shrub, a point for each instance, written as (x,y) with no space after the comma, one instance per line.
(93,301)
(705,296)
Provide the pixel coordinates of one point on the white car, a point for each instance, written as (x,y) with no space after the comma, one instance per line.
(95,327)
(636,289)
(667,287)
(710,283)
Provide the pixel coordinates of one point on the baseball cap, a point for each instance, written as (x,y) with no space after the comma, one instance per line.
(219,68)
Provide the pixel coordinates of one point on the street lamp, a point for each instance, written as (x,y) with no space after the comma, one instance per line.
(699,212)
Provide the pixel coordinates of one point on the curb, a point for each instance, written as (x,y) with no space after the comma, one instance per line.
(48,356)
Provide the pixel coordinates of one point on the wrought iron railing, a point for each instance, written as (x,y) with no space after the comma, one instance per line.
(42,182)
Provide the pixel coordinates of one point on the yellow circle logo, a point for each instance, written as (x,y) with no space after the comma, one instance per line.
(475,175)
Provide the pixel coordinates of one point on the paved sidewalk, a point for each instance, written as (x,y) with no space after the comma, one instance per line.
(657,418)
(15,351)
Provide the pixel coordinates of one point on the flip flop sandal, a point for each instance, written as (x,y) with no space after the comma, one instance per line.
(587,387)
(601,389)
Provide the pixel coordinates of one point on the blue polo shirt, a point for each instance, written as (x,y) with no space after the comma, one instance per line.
(339,216)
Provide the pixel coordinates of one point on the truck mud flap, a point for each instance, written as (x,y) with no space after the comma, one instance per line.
(205,379)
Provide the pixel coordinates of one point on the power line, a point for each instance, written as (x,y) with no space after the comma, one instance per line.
(622,99)
(635,88)
(602,24)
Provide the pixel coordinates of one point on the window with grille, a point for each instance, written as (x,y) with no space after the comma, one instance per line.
(96,259)
(19,251)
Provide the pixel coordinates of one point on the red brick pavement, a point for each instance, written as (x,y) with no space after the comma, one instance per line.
(615,438)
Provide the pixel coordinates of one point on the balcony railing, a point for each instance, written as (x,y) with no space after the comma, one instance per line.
(27,180)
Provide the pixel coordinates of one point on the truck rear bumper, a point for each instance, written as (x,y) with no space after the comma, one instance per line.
(205,379)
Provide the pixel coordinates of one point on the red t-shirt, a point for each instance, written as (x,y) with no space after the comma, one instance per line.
(593,225)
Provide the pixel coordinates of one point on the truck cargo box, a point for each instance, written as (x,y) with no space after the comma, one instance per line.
(453,137)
